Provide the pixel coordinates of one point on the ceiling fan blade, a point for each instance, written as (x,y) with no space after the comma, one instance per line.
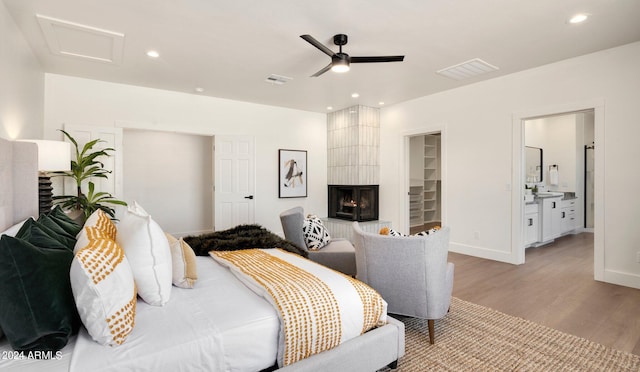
(327,68)
(377,59)
(318,45)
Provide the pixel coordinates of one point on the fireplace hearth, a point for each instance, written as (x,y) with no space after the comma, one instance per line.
(353,202)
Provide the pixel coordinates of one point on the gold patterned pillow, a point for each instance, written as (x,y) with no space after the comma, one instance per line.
(104,291)
(102,227)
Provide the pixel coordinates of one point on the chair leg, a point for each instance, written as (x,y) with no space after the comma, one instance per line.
(432,331)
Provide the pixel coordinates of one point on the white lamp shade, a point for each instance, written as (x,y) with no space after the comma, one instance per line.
(53,155)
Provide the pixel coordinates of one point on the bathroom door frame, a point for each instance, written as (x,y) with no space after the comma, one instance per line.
(518,168)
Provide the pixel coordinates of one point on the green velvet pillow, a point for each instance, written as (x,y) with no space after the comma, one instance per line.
(59,233)
(37,311)
(64,221)
(42,236)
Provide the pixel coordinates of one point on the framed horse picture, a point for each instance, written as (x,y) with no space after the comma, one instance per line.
(292,173)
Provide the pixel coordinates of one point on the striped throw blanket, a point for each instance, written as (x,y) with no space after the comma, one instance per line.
(319,308)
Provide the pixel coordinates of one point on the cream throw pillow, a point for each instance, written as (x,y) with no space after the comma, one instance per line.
(104,291)
(183,262)
(147,249)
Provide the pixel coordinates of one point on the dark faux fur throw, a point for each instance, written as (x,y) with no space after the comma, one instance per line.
(240,237)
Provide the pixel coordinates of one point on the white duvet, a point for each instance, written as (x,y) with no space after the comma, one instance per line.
(219,325)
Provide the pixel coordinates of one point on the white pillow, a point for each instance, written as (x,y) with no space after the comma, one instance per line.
(316,235)
(147,249)
(104,291)
(183,262)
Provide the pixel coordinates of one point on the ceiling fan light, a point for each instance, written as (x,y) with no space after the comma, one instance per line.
(340,62)
(340,67)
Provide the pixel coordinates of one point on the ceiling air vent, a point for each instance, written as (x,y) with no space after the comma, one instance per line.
(277,79)
(467,69)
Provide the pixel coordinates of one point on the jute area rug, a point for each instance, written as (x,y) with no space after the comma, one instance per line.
(475,338)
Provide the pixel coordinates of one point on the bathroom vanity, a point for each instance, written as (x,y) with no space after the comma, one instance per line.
(549,216)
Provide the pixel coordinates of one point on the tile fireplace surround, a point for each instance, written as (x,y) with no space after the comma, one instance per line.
(353,146)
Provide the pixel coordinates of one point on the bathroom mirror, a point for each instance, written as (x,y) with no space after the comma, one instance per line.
(533,164)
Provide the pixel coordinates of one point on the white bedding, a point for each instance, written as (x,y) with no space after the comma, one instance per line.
(221,317)
(319,307)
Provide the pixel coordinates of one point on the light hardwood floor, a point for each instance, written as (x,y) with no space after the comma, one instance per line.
(555,287)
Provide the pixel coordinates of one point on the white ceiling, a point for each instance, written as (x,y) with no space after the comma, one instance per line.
(229,47)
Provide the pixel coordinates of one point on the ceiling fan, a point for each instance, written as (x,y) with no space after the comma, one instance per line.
(340,61)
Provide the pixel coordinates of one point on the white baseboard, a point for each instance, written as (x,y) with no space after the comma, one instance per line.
(622,278)
(482,252)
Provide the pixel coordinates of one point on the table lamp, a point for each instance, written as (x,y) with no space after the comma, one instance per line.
(52,156)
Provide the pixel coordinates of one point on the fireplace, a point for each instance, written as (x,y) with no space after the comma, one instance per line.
(353,202)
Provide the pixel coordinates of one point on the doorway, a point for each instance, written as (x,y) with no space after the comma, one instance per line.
(425,182)
(518,191)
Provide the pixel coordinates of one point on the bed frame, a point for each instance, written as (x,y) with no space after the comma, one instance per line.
(19,200)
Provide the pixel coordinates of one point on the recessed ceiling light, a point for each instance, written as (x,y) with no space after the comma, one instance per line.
(355,95)
(329,108)
(153,54)
(381,103)
(579,18)
(199,89)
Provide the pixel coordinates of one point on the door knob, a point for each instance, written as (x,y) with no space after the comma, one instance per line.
(249,197)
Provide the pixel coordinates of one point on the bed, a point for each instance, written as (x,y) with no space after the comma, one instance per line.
(219,324)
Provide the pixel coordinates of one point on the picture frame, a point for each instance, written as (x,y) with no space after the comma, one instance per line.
(292,173)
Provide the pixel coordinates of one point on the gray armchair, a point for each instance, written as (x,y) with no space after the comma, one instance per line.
(411,273)
(339,254)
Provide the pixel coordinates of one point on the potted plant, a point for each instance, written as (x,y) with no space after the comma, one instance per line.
(85,166)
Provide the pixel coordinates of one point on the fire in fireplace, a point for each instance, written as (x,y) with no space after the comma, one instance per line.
(353,202)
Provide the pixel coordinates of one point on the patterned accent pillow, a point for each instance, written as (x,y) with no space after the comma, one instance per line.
(393,232)
(104,291)
(98,225)
(427,232)
(183,263)
(315,233)
(148,251)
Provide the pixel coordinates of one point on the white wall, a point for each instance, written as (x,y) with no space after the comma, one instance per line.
(88,102)
(557,137)
(21,84)
(157,164)
(478,139)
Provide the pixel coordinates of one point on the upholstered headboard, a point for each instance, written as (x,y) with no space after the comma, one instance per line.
(18,182)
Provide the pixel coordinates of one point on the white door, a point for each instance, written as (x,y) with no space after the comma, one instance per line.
(234,181)
(109,137)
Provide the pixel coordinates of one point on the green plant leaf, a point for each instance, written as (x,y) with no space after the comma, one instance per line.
(86,166)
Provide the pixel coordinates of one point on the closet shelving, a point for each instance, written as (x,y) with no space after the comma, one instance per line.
(416,205)
(431,208)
